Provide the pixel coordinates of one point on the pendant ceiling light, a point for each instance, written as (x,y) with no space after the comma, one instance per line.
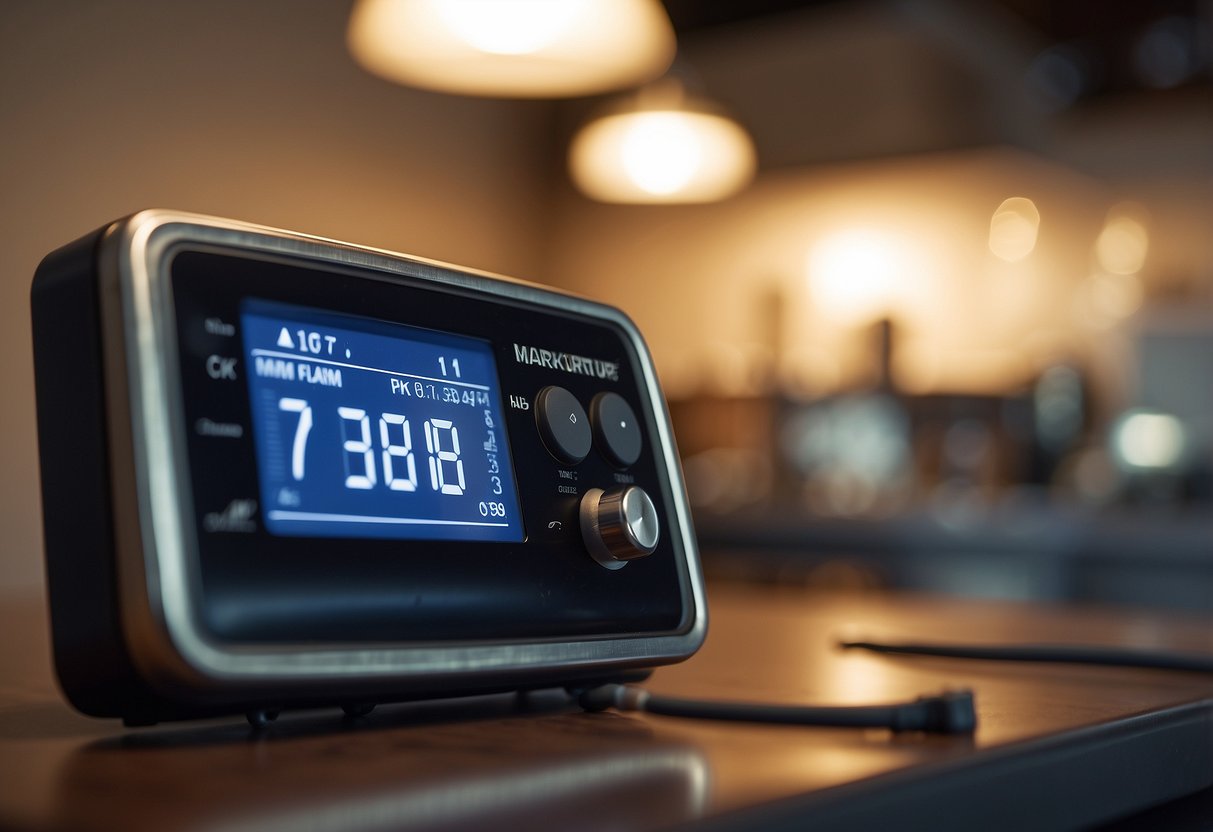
(661,146)
(513,48)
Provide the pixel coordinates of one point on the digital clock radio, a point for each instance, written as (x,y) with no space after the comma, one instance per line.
(280,471)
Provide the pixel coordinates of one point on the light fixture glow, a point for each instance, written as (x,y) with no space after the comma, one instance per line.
(513,48)
(661,152)
(853,275)
(1148,440)
(1123,242)
(518,27)
(1013,229)
(668,155)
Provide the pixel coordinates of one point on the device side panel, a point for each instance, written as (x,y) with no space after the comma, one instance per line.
(91,661)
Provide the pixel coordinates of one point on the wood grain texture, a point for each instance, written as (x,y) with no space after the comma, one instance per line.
(538,762)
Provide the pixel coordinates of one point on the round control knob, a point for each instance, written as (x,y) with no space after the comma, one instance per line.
(616,428)
(619,525)
(563,424)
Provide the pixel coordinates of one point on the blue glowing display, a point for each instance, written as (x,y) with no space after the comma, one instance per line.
(371,429)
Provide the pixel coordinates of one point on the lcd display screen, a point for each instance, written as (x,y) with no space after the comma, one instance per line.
(367,429)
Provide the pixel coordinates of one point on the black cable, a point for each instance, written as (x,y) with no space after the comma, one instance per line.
(952,712)
(1067,654)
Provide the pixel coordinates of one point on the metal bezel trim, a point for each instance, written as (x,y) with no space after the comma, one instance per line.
(155,552)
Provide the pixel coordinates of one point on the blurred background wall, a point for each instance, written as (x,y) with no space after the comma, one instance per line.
(247,110)
(850,298)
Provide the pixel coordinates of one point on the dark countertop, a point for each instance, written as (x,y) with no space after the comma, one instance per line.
(1057,746)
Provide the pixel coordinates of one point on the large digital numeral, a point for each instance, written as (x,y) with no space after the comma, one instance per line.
(302,429)
(361,471)
(358,448)
(439,458)
(392,451)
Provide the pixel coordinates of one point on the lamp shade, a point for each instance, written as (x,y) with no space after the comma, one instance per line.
(513,48)
(665,155)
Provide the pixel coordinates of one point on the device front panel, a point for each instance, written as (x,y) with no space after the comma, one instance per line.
(377,458)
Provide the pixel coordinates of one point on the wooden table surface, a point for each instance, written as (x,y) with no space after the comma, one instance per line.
(502,762)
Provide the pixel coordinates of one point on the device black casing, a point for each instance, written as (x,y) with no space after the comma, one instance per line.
(123,571)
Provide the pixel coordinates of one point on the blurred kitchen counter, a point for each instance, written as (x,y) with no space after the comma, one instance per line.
(1162,559)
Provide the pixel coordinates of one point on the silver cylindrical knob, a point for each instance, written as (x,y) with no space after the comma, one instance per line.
(619,525)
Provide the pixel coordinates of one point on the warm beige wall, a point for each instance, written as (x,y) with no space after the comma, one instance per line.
(245,109)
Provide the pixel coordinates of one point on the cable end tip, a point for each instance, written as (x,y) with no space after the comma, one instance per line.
(952,712)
